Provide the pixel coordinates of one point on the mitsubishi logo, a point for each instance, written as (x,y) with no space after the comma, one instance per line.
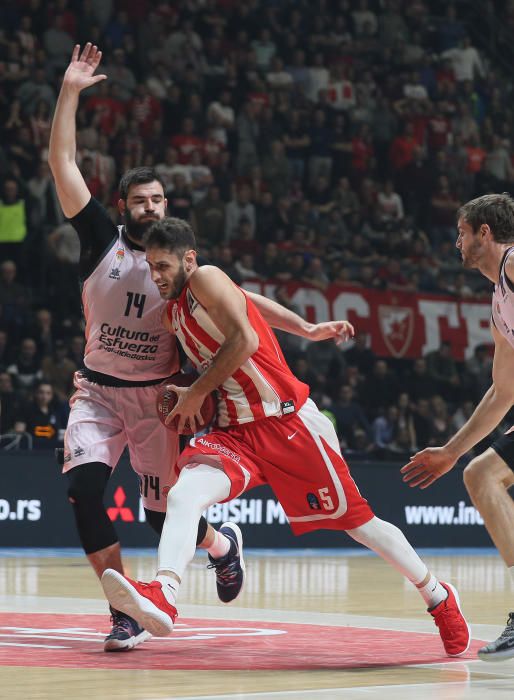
(123,512)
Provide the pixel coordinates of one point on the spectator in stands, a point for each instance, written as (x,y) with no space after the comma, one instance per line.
(58,43)
(315,274)
(443,208)
(45,211)
(221,117)
(276,170)
(384,429)
(465,60)
(497,166)
(479,369)
(442,370)
(26,368)
(118,73)
(360,355)
(58,370)
(180,198)
(9,404)
(14,297)
(43,331)
(349,416)
(419,382)
(380,388)
(34,90)
(43,418)
(247,135)
(76,350)
(209,217)
(225,262)
(389,205)
(13,221)
(320,152)
(442,426)
(5,350)
(239,208)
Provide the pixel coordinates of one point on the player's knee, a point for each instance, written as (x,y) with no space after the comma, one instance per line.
(85,492)
(476,474)
(186,493)
(87,482)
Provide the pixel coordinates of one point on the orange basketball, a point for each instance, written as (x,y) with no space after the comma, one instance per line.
(167,398)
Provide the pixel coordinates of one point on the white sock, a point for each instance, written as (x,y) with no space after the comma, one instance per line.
(220,546)
(511,572)
(433,593)
(170,587)
(390,543)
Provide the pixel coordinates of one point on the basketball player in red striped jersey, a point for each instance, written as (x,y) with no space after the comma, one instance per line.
(268,431)
(128,354)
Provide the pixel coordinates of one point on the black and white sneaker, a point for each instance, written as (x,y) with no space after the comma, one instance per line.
(230,569)
(503,647)
(125,633)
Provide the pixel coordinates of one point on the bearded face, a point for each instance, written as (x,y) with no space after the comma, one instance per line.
(471,255)
(145,204)
(137,227)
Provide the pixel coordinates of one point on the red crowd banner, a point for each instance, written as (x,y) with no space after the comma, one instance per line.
(400,324)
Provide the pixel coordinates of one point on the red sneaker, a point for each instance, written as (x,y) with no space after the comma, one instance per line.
(145,602)
(453,628)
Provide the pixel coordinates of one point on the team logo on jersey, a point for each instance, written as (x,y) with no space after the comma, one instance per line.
(118,259)
(397,326)
(313,502)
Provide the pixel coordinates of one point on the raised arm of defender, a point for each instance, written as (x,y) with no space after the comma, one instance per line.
(71,188)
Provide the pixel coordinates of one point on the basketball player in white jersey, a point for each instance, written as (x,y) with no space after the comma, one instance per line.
(486,242)
(267,431)
(128,354)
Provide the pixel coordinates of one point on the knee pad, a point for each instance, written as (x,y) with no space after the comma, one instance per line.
(86,486)
(156,521)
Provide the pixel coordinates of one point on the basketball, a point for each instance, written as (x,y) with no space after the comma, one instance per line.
(167,398)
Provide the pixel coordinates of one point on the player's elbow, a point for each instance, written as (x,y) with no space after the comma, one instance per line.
(60,160)
(57,165)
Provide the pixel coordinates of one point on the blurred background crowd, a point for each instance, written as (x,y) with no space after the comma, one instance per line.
(321,141)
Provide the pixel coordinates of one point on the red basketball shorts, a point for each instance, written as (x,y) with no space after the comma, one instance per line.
(299,457)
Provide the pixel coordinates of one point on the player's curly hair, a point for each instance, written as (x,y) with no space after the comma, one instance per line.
(172,234)
(495,210)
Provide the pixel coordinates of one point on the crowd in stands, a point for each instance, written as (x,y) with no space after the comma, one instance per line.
(322,141)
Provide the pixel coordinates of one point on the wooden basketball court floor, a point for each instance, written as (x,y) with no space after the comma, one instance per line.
(322,624)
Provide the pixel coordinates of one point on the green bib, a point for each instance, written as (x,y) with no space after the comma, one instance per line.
(13,224)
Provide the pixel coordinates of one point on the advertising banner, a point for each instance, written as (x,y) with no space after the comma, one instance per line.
(400,324)
(34,511)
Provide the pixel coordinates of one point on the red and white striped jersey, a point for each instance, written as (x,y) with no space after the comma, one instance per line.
(262,387)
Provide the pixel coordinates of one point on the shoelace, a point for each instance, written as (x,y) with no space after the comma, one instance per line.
(120,622)
(445,619)
(225,572)
(509,630)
